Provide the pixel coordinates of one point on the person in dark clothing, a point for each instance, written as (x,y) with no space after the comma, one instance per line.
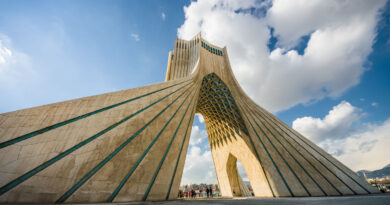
(211,192)
(208,192)
(193,194)
(180,194)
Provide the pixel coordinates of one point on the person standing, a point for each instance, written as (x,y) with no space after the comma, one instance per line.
(193,193)
(207,192)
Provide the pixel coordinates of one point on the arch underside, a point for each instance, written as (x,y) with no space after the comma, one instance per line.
(222,117)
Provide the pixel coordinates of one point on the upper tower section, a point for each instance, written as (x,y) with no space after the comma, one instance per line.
(185,56)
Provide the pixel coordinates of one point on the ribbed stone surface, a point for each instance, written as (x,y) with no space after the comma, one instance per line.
(131,145)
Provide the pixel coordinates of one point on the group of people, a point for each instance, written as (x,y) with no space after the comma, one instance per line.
(209,192)
(193,194)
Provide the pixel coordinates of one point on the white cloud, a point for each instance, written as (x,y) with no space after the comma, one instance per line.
(197,135)
(336,124)
(163,16)
(135,37)
(374,104)
(15,66)
(199,167)
(200,117)
(293,19)
(5,53)
(341,34)
(365,148)
(368,150)
(16,76)
(241,171)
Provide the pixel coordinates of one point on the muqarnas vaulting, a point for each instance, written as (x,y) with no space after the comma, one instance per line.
(131,145)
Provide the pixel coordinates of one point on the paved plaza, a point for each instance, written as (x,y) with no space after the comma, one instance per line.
(373,199)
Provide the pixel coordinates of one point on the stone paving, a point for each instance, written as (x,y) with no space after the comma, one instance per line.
(374,199)
(382,199)
(345,200)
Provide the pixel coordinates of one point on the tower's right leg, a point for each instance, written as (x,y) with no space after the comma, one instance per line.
(225,158)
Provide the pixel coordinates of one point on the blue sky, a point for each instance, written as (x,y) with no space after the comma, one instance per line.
(77,49)
(52,51)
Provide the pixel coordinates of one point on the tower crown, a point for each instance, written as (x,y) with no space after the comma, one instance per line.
(185,55)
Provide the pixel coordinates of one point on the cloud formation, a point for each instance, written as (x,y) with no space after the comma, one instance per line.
(197,135)
(15,67)
(368,150)
(340,36)
(200,117)
(5,53)
(10,58)
(336,124)
(364,148)
(163,16)
(135,37)
(199,167)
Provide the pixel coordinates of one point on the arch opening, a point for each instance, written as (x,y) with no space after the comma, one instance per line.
(229,140)
(199,171)
(237,184)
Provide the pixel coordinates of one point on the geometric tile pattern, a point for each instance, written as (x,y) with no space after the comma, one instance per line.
(220,112)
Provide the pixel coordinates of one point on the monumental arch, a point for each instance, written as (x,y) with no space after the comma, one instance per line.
(131,145)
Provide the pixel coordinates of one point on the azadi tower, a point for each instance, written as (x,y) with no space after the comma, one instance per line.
(131,145)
